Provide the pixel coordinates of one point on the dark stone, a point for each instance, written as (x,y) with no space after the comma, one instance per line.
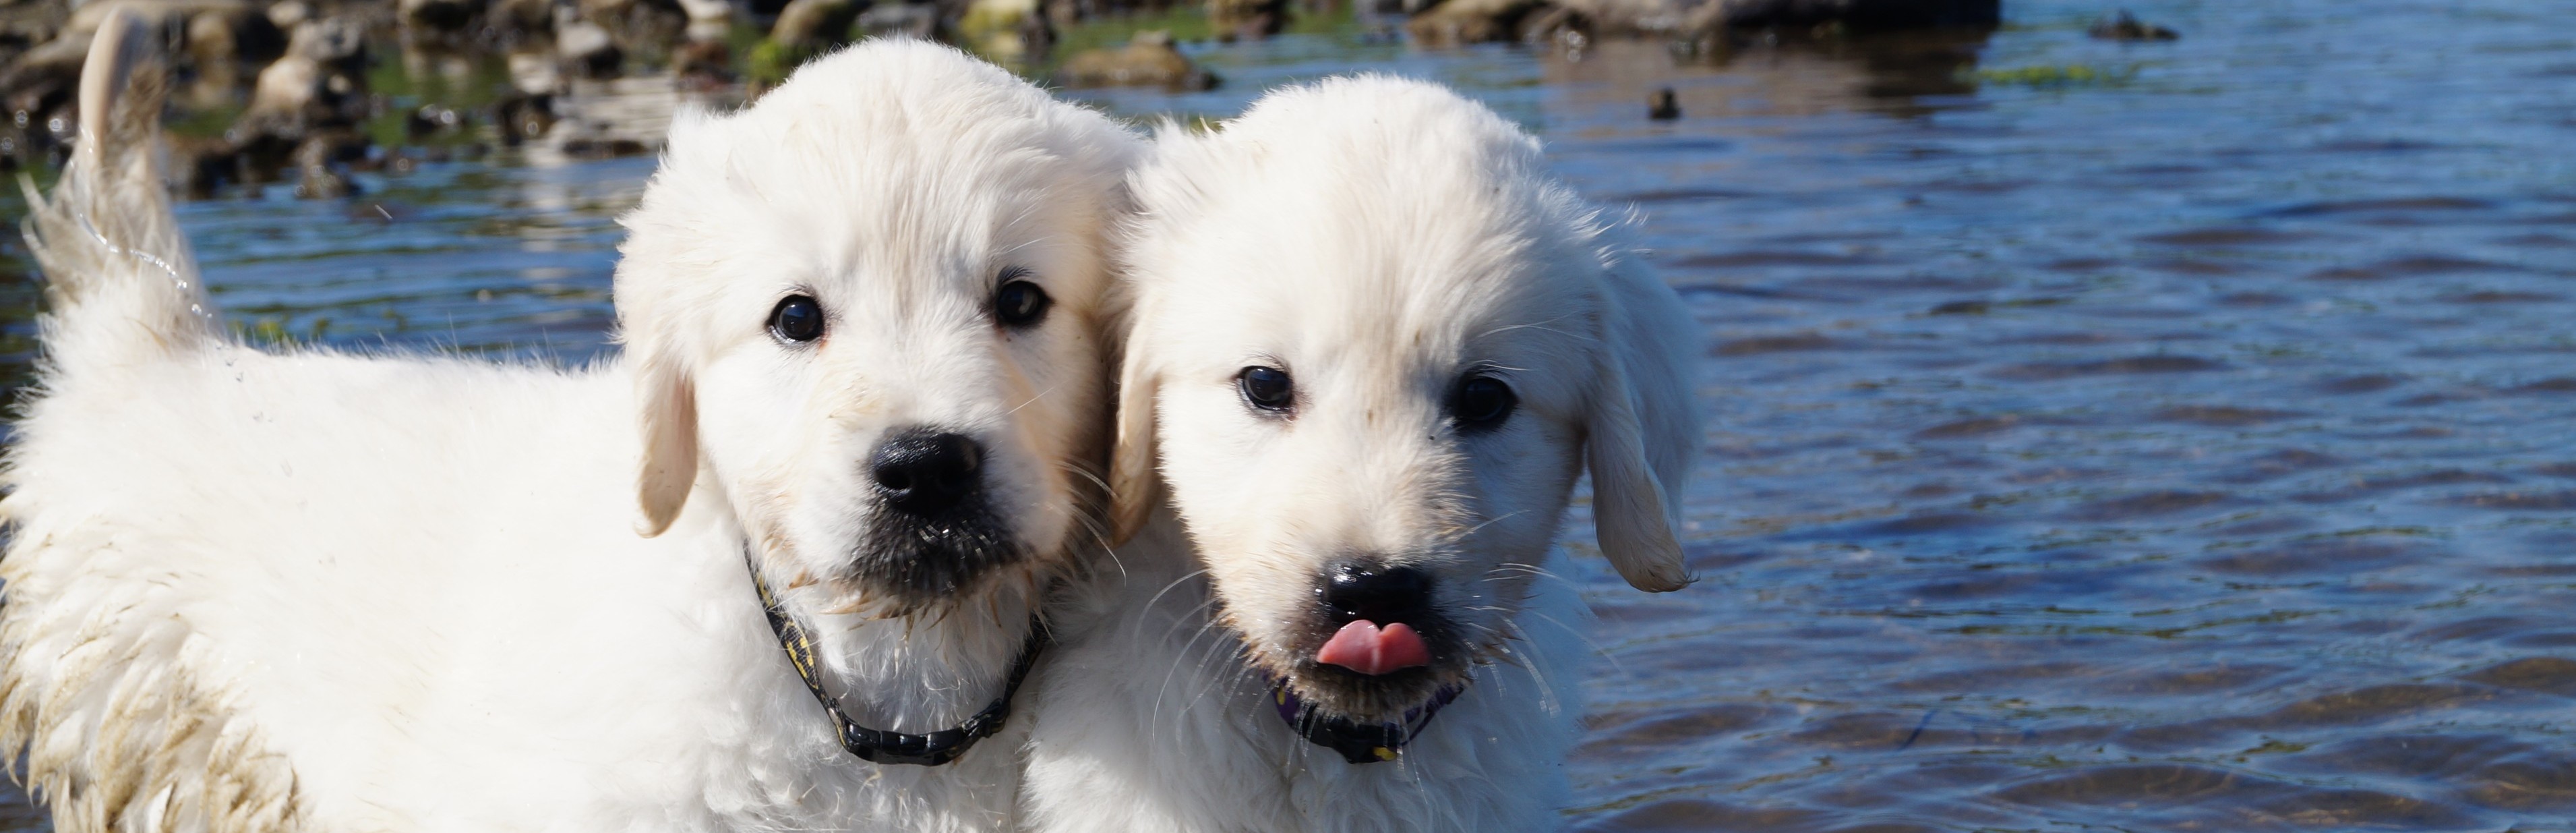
(589,50)
(914,20)
(1146,61)
(525,117)
(1247,19)
(2125,27)
(1461,22)
(322,165)
(433,119)
(815,24)
(440,15)
(706,60)
(1859,15)
(1662,107)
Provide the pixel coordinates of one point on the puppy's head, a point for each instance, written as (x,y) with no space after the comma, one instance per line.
(1374,347)
(867,310)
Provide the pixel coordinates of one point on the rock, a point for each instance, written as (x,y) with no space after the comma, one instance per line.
(43,78)
(814,24)
(1854,14)
(319,85)
(431,120)
(705,10)
(703,59)
(1147,60)
(1700,16)
(320,163)
(219,39)
(2126,27)
(289,14)
(638,26)
(86,16)
(524,118)
(522,15)
(1247,19)
(203,165)
(439,15)
(288,98)
(533,71)
(591,148)
(324,182)
(1460,22)
(914,20)
(336,43)
(211,39)
(1005,27)
(1663,105)
(587,48)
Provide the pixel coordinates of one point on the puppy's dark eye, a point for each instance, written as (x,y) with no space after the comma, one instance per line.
(1267,388)
(797,319)
(1481,403)
(1020,304)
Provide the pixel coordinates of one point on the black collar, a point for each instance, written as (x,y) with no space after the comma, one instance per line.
(882,747)
(1359,743)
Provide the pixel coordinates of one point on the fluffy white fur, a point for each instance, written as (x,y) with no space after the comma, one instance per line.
(298,589)
(1379,239)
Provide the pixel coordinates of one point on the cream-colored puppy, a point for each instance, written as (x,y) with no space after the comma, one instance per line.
(297,589)
(1373,346)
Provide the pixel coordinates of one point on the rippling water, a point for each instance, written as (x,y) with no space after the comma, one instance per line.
(2106,436)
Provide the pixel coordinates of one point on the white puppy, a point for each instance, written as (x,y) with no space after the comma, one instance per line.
(1373,346)
(299,589)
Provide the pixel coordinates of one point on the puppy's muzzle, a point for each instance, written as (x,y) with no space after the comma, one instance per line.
(1378,642)
(927,473)
(934,531)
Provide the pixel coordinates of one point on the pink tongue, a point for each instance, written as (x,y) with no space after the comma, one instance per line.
(1360,646)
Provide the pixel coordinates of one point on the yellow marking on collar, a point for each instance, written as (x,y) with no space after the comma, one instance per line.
(1384,754)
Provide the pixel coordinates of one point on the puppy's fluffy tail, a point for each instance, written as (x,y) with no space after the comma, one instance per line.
(120,281)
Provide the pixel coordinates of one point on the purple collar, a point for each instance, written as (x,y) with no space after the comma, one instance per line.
(1359,743)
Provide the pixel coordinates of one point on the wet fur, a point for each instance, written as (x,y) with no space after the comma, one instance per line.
(293,589)
(1378,238)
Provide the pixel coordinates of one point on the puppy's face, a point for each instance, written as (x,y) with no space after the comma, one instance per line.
(1375,371)
(869,306)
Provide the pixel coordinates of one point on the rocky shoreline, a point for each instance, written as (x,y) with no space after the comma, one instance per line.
(272,91)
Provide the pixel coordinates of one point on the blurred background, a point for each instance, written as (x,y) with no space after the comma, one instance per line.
(2142,418)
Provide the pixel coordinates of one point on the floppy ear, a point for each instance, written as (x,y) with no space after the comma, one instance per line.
(669,399)
(1135,485)
(1642,429)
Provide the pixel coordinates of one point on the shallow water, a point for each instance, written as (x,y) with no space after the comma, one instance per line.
(2182,446)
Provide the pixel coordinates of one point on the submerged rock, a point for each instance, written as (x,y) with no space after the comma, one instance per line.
(2126,27)
(915,20)
(44,79)
(1683,16)
(814,24)
(522,16)
(1147,60)
(439,15)
(587,48)
(289,14)
(524,118)
(1458,22)
(703,60)
(1247,19)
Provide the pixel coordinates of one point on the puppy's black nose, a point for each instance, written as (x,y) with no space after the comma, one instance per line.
(925,472)
(1375,592)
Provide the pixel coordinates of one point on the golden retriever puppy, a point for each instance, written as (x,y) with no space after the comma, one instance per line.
(863,392)
(1372,348)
